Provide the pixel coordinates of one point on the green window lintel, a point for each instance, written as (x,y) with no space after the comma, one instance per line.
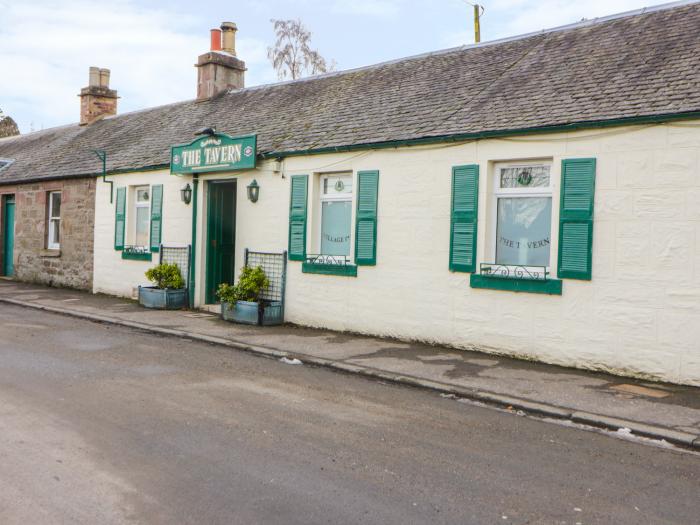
(347,270)
(549,287)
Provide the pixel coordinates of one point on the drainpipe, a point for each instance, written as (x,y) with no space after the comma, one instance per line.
(102,155)
(195,200)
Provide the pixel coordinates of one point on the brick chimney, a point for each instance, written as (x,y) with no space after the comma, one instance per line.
(220,69)
(97,100)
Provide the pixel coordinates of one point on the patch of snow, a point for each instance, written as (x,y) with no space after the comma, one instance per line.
(293,361)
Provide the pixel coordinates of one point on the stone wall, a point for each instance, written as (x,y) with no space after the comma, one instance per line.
(72,265)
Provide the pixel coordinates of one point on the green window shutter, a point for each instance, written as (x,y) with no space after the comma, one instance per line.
(297,218)
(576,218)
(463,221)
(366,218)
(156,216)
(120,219)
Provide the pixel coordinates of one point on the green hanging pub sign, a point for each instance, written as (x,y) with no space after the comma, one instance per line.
(217,152)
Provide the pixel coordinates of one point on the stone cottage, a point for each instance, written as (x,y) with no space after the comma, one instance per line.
(47,196)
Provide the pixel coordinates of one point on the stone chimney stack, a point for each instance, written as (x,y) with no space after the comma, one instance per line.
(97,100)
(219,69)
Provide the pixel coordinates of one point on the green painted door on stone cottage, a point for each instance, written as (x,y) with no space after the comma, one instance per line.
(8,235)
(221,236)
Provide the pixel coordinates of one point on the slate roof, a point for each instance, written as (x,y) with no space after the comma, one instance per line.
(632,65)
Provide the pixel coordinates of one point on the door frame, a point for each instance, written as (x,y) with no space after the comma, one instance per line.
(7,200)
(208,299)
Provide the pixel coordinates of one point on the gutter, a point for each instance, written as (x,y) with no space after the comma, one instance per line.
(459,137)
(15,182)
(507,402)
(438,139)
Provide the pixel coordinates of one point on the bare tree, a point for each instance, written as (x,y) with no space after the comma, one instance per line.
(292,56)
(8,127)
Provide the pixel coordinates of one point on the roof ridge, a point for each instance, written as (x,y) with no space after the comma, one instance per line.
(151,108)
(37,132)
(582,23)
(464,47)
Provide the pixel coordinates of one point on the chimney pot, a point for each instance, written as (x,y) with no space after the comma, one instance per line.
(216,39)
(228,37)
(104,78)
(94,79)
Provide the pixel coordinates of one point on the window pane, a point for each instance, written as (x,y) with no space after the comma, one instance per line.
(142,195)
(337,185)
(335,227)
(525,177)
(524,231)
(54,232)
(142,226)
(55,205)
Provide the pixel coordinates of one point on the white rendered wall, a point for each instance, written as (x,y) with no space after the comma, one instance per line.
(640,314)
(117,276)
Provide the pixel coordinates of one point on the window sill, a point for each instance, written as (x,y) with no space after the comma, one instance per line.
(50,253)
(347,270)
(486,282)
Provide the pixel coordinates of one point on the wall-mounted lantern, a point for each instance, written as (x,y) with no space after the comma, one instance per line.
(253,191)
(186,193)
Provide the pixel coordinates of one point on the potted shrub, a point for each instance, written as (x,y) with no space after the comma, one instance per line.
(168,292)
(240,303)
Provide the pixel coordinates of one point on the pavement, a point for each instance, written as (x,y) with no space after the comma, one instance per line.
(656,410)
(113,425)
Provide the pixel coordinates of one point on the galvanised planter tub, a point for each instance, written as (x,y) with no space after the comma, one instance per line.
(245,312)
(273,313)
(166,299)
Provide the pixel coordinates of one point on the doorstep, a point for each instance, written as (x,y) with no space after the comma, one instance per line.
(212,308)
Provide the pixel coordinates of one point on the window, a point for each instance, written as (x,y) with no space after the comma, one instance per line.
(332,226)
(336,214)
(523,214)
(4,163)
(53,240)
(138,217)
(142,214)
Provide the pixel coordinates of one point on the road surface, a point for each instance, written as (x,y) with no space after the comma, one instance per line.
(101,424)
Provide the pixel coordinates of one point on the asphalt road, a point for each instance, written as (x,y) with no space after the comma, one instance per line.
(100,424)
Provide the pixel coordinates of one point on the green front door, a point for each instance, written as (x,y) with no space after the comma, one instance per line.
(8,265)
(221,236)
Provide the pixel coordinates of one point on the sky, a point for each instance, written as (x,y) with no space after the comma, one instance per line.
(46,47)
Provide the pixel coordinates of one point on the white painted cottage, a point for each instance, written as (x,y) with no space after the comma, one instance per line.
(536,196)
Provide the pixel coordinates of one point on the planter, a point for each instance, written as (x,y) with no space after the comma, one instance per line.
(167,299)
(244,312)
(273,313)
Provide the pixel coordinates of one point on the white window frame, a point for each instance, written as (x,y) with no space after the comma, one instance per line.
(54,223)
(141,204)
(335,198)
(537,191)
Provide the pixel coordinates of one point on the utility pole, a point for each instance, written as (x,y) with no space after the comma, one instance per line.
(477,27)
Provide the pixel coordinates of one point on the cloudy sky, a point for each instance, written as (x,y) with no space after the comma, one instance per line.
(47,46)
